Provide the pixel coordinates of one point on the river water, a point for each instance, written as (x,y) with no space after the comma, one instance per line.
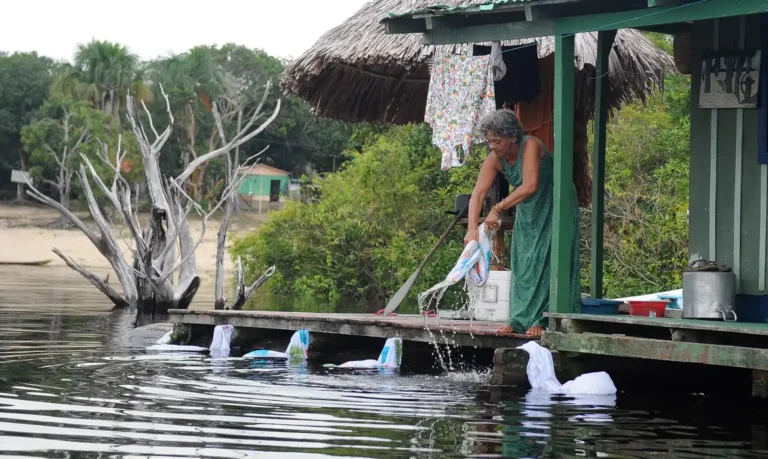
(71,386)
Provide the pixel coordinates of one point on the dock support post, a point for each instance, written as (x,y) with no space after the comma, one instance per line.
(760,384)
(562,230)
(604,46)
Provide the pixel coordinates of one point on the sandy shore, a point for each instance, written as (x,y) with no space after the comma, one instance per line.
(26,234)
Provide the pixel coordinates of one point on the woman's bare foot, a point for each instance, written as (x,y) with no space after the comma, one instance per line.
(506,330)
(534,331)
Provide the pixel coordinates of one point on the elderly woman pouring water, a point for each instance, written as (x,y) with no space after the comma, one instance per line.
(528,166)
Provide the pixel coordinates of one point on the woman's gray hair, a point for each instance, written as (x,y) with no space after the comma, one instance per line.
(503,123)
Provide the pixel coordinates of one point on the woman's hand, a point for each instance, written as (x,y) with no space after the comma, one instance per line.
(472,235)
(492,220)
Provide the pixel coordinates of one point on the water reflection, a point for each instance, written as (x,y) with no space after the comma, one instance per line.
(71,385)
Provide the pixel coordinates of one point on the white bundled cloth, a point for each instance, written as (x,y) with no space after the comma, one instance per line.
(222,336)
(390,358)
(541,375)
(474,265)
(297,349)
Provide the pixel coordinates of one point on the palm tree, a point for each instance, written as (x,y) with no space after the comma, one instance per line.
(104,73)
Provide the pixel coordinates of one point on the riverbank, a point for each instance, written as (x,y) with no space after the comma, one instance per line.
(30,233)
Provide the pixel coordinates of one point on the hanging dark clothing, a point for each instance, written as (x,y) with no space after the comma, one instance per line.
(521,82)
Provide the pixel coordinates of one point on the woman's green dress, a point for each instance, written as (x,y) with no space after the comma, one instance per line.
(531,247)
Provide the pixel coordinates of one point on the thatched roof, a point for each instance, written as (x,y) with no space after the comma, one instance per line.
(356,72)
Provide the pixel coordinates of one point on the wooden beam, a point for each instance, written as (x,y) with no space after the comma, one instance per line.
(654,349)
(696,11)
(405,25)
(657,3)
(539,13)
(477,34)
(699,10)
(604,46)
(585,321)
(680,28)
(564,192)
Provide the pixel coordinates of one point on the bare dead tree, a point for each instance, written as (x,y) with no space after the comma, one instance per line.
(233,175)
(64,170)
(163,271)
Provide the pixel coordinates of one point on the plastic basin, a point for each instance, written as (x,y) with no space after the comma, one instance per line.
(648,308)
(595,306)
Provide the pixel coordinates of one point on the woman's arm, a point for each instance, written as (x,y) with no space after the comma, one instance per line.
(484,183)
(531,164)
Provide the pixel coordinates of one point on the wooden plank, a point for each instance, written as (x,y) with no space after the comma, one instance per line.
(562,228)
(483,33)
(687,324)
(697,11)
(653,349)
(604,46)
(409,327)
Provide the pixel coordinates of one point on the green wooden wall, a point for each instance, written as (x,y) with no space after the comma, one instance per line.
(258,185)
(725,205)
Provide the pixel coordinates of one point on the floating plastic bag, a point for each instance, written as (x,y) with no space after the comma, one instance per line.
(390,358)
(165,339)
(222,335)
(297,349)
(541,375)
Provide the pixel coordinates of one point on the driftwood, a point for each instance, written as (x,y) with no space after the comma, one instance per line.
(163,271)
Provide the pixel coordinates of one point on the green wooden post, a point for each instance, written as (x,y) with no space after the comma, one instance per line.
(604,45)
(562,234)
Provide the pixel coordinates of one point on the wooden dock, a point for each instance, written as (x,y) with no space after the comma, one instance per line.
(481,334)
(714,344)
(728,344)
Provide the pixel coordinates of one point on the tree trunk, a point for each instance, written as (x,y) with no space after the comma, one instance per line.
(221,247)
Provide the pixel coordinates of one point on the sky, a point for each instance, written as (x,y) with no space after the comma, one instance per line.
(150,29)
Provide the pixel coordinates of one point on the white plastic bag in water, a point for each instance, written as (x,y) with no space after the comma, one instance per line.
(391,356)
(222,335)
(541,375)
(165,339)
(297,349)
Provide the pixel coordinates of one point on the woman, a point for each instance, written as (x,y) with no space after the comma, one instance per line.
(528,166)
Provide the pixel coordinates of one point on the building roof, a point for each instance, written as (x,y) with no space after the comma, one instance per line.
(356,72)
(473,6)
(263,169)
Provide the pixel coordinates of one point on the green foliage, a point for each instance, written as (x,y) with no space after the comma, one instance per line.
(374,222)
(24,79)
(65,130)
(646,229)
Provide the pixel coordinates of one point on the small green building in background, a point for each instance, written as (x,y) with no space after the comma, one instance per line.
(264,185)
